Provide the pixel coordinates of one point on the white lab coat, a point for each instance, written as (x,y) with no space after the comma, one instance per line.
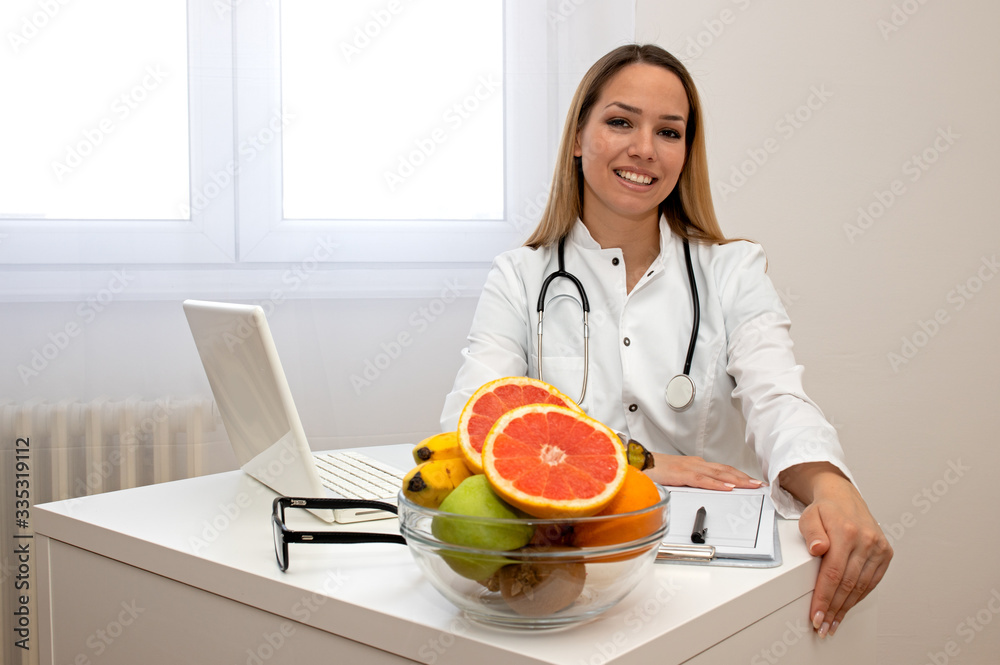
(749,411)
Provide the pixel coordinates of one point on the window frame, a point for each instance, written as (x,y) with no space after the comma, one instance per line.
(266,236)
(236,247)
(207,236)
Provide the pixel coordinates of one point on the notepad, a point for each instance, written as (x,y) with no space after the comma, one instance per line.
(740,523)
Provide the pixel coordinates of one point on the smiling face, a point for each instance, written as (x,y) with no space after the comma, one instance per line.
(632,146)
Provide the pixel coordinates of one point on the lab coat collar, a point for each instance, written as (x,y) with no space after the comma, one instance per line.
(669,244)
(579,235)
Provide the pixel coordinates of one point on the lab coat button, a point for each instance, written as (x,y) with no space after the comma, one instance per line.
(627,341)
(633,407)
(614,261)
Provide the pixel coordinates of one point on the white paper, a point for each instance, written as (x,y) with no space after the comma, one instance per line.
(740,522)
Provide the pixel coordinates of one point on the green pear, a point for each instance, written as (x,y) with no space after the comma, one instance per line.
(474,497)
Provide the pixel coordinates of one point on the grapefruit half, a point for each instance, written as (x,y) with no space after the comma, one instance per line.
(554,461)
(494,399)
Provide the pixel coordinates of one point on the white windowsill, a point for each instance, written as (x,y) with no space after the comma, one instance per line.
(105,284)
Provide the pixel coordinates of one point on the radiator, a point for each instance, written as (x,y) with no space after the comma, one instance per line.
(71,449)
(78,449)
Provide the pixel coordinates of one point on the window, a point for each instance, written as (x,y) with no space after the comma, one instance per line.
(424,142)
(385,138)
(373,151)
(117,109)
(100,136)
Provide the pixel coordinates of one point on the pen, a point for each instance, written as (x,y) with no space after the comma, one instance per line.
(698,534)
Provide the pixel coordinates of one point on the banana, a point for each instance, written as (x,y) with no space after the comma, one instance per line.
(638,456)
(429,483)
(437,447)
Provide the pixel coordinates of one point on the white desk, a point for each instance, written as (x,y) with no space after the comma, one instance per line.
(185,572)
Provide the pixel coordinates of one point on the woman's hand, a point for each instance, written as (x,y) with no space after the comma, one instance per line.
(837,526)
(691,471)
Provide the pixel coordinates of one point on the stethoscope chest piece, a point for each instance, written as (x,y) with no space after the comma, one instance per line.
(680,392)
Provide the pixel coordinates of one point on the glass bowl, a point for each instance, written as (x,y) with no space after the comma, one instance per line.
(549,583)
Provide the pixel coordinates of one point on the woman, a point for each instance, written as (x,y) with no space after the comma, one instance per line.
(629,199)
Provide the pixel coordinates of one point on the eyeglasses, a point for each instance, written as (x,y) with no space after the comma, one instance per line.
(283,535)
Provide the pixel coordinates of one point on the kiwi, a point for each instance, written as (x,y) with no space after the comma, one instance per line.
(492,583)
(554,535)
(541,588)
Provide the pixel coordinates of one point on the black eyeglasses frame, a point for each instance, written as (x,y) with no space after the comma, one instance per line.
(283,535)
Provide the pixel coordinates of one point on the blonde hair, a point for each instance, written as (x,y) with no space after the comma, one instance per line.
(688,208)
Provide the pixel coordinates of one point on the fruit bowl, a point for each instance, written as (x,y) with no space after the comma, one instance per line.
(549,583)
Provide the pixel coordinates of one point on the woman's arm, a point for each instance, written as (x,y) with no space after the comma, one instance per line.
(837,526)
(693,471)
(498,339)
(798,449)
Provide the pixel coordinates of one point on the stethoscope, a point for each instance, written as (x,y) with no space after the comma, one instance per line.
(680,389)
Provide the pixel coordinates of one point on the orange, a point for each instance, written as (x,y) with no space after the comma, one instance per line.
(494,399)
(554,461)
(638,492)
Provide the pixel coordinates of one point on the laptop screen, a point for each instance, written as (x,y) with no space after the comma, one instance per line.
(252,395)
(242,381)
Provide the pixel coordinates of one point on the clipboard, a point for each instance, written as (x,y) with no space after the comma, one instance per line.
(742,529)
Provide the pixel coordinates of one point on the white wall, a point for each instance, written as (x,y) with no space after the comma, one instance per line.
(851,302)
(352,380)
(886,95)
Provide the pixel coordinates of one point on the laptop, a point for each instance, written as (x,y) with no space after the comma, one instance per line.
(252,395)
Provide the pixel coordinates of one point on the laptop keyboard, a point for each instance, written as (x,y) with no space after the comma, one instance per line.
(356,476)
